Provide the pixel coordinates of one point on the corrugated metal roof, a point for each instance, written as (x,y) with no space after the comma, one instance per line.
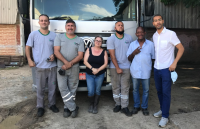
(8,11)
(177,16)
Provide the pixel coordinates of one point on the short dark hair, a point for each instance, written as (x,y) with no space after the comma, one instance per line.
(99,36)
(44,15)
(118,21)
(70,21)
(157,15)
(141,28)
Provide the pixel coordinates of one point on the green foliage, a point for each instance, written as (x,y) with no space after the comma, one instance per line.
(120,5)
(187,3)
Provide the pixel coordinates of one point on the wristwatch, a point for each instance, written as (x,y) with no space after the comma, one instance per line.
(91,68)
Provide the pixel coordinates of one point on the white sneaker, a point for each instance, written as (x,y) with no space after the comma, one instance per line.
(158,114)
(163,122)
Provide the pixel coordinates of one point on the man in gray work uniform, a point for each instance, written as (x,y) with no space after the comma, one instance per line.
(41,42)
(120,68)
(69,49)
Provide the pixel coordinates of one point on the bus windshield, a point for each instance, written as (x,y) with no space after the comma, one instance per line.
(86,10)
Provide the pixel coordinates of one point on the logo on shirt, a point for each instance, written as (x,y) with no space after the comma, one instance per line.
(76,43)
(51,40)
(127,42)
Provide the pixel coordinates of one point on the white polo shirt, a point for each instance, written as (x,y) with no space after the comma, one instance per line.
(165,43)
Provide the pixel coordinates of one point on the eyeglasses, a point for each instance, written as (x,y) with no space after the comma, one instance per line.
(98,41)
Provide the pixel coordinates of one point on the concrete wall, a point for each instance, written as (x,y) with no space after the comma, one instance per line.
(190,38)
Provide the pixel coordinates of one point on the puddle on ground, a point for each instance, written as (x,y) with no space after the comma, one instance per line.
(10,122)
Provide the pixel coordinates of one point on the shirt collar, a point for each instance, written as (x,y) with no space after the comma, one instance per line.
(163,31)
(145,42)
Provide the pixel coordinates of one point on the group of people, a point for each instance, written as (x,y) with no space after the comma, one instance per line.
(128,57)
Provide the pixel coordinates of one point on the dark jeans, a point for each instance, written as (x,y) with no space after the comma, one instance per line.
(163,85)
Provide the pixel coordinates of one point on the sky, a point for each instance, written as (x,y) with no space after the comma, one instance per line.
(86,9)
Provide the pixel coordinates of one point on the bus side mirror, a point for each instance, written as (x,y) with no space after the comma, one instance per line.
(149,7)
(22,6)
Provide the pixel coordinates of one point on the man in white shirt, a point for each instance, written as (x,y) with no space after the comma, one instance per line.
(165,42)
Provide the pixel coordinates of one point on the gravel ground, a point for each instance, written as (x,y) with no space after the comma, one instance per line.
(18,101)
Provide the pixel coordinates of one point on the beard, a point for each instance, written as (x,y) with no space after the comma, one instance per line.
(159,27)
(120,32)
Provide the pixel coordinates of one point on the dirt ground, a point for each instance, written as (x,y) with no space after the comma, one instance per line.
(18,101)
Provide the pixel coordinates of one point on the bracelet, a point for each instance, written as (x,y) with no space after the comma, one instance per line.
(91,68)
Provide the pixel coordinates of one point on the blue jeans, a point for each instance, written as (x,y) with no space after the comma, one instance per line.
(136,95)
(163,85)
(94,84)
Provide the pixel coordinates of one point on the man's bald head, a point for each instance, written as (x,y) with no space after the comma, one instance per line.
(140,27)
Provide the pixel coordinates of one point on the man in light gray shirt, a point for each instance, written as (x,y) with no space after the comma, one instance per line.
(69,49)
(120,68)
(41,42)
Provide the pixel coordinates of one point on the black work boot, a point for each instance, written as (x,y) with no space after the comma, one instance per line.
(96,102)
(40,112)
(126,111)
(54,109)
(117,108)
(91,104)
(145,111)
(135,110)
(66,112)
(75,112)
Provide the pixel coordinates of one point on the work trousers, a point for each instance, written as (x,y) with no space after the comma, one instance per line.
(43,76)
(68,85)
(120,86)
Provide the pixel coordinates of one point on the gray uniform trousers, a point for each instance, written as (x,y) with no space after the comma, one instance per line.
(44,75)
(68,85)
(120,86)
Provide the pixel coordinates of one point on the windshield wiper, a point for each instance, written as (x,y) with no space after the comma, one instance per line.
(60,18)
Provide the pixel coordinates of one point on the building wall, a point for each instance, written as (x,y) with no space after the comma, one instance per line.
(185,22)
(9,39)
(12,39)
(8,11)
(190,38)
(176,16)
(11,29)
